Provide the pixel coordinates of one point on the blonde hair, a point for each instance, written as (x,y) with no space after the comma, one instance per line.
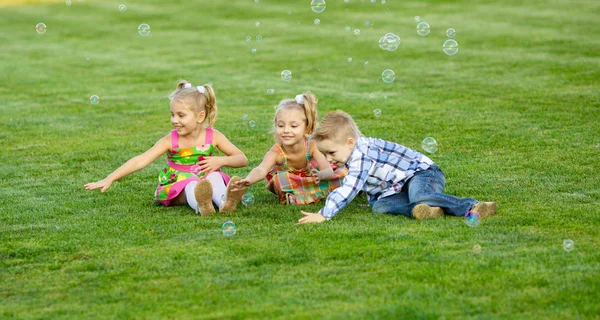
(308,107)
(197,101)
(336,126)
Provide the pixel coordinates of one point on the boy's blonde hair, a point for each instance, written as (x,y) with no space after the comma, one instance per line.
(197,101)
(307,103)
(336,126)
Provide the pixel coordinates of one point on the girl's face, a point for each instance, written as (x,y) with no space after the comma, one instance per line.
(183,119)
(290,127)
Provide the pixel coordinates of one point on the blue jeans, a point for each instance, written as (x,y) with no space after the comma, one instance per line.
(424,187)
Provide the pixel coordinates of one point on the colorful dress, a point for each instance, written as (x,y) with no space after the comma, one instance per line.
(182,168)
(297,186)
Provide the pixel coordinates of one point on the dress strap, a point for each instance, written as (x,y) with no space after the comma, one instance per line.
(174,139)
(307,148)
(277,148)
(208,137)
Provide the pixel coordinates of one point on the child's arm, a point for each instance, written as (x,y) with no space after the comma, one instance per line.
(326,172)
(134,164)
(235,157)
(258,173)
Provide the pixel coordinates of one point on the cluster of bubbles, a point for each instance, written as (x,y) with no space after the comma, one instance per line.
(229,228)
(144,29)
(429,144)
(388,75)
(568,245)
(122,8)
(286,75)
(472,219)
(40,28)
(389,42)
(94,99)
(248,199)
(318,6)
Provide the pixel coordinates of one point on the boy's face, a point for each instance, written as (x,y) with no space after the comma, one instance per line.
(336,152)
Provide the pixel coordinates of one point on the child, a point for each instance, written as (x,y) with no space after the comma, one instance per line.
(295,169)
(191,174)
(396,179)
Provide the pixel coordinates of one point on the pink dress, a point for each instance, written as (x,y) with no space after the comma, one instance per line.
(182,168)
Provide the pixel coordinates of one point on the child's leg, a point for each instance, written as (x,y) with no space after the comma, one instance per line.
(394,204)
(218,186)
(189,195)
(427,187)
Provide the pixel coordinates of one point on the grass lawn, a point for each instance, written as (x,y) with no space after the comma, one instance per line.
(515,113)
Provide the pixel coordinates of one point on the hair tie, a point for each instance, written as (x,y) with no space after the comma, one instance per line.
(201,89)
(299,99)
(187,85)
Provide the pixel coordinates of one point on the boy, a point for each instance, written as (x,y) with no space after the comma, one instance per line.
(396,179)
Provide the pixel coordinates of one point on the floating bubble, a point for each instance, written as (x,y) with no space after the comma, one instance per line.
(450,47)
(371,95)
(252,123)
(248,38)
(377,112)
(257,24)
(286,75)
(317,21)
(68,3)
(270,91)
(477,249)
(347,1)
(388,75)
(144,29)
(256,1)
(417,18)
(94,99)
(318,6)
(195,169)
(258,38)
(450,33)
(350,59)
(568,245)
(229,228)
(383,2)
(389,42)
(122,8)
(423,28)
(253,50)
(248,199)
(347,11)
(366,63)
(245,117)
(289,12)
(367,23)
(347,28)
(429,144)
(357,32)
(40,28)
(472,219)
(373,1)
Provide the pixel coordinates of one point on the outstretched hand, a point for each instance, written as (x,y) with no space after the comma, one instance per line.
(104,184)
(241,185)
(310,217)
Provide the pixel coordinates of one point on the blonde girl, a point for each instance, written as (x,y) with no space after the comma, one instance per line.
(191,175)
(294,168)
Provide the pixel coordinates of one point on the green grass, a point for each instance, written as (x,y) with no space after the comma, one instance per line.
(515,113)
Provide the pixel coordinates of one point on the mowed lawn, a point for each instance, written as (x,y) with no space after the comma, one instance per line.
(515,113)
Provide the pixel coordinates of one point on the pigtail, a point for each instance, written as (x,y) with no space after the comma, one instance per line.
(310,111)
(211,105)
(180,85)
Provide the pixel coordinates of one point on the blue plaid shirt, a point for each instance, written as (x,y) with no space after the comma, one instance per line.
(379,168)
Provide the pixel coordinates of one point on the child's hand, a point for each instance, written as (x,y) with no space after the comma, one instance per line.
(311,217)
(210,164)
(241,185)
(104,184)
(315,173)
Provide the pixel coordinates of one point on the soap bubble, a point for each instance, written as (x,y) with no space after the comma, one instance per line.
(450,47)
(451,33)
(68,3)
(317,21)
(472,218)
(357,32)
(417,18)
(258,37)
(347,28)
(367,23)
(388,75)
(144,29)
(245,117)
(389,42)
(252,123)
(229,228)
(366,63)
(40,28)
(248,38)
(477,249)
(350,59)
(429,144)
(257,24)
(371,95)
(377,112)
(270,91)
(423,28)
(568,245)
(94,99)
(253,50)
(248,199)
(318,6)
(286,75)
(122,8)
